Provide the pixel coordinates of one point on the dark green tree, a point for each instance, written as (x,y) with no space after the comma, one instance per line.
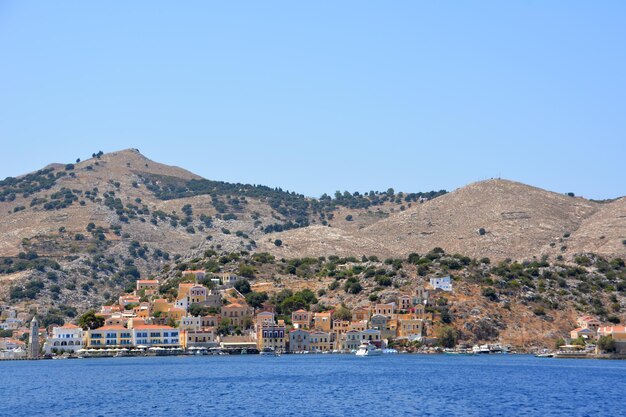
(90,321)
(243,286)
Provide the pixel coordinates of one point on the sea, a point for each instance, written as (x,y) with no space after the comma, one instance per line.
(314,385)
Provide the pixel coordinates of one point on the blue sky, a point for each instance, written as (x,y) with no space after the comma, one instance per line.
(323,96)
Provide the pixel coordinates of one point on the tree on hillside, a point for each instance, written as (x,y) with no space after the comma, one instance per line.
(559,342)
(247,271)
(256,299)
(447,337)
(342,313)
(198,310)
(90,321)
(243,286)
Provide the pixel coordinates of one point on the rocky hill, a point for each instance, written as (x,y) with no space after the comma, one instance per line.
(77,234)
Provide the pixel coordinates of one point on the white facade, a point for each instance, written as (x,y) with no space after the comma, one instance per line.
(68,338)
(444,283)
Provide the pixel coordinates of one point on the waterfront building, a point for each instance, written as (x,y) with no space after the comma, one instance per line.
(156,336)
(583,332)
(351,340)
(204,337)
(109,337)
(272,336)
(66,338)
(319,341)
(373,336)
(299,341)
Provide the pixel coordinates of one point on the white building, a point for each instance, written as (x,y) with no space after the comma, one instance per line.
(444,283)
(11,324)
(66,338)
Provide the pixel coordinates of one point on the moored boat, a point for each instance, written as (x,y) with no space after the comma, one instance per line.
(368,349)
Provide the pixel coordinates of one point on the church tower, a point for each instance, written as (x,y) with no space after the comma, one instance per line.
(33,347)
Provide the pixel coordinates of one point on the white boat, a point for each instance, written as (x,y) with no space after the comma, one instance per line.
(268,351)
(367,349)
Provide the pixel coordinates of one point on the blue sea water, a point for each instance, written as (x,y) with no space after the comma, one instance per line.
(314,385)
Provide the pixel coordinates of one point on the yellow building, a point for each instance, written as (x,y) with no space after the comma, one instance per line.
(359,325)
(301,319)
(198,338)
(109,337)
(387,310)
(161,305)
(361,313)
(409,327)
(323,321)
(236,313)
(319,341)
(148,285)
(175,313)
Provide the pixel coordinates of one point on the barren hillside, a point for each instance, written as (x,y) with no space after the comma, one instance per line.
(104,222)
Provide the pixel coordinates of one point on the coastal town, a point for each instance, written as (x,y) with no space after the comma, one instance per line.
(211,315)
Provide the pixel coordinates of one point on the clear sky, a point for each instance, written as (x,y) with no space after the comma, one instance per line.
(323,96)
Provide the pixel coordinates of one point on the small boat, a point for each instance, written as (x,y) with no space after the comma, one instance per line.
(544,355)
(367,349)
(268,351)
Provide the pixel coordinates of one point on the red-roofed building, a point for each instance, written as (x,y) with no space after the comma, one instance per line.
(236,313)
(588,322)
(582,332)
(149,286)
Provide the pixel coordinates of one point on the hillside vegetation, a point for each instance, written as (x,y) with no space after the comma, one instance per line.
(76,235)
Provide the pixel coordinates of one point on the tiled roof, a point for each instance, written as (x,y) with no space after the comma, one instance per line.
(112,328)
(153,326)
